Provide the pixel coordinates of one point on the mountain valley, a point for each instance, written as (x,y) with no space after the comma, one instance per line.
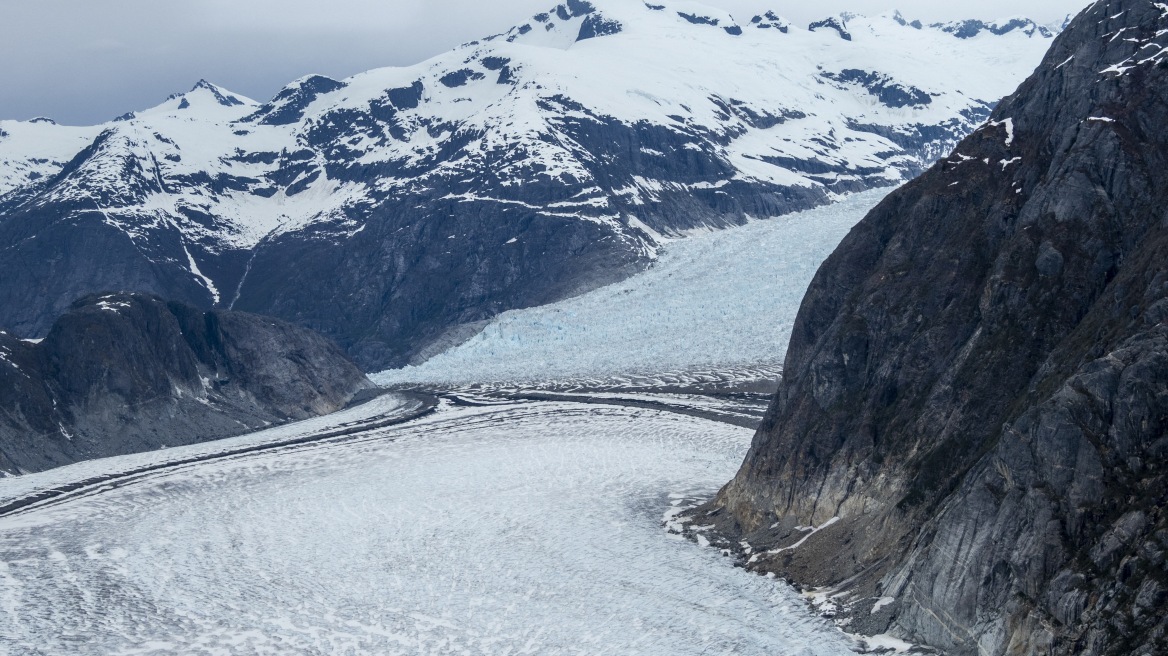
(639,327)
(398,210)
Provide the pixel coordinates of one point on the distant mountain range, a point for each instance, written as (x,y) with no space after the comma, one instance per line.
(396,210)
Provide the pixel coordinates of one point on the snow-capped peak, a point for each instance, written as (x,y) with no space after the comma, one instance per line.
(562,25)
(578,20)
(220,95)
(770,20)
(899,18)
(1061,24)
(696,13)
(837,23)
(204,95)
(288,105)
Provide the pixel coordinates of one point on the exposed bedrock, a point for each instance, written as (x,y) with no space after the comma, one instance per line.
(122,373)
(975,402)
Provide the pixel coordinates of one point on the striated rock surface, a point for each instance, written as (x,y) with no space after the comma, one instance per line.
(121,373)
(970,443)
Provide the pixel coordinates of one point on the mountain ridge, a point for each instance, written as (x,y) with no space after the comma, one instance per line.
(508,172)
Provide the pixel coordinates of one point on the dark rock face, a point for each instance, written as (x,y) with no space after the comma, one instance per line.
(122,373)
(698,19)
(495,63)
(288,105)
(406,97)
(771,20)
(460,78)
(885,89)
(975,401)
(832,23)
(597,26)
(968,29)
(226,100)
(579,8)
(445,282)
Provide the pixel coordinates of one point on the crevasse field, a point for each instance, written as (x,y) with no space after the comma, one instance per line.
(511,529)
(721,300)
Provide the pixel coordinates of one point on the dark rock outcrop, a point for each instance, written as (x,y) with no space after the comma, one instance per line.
(883,88)
(771,20)
(288,106)
(597,26)
(832,23)
(967,29)
(974,410)
(122,373)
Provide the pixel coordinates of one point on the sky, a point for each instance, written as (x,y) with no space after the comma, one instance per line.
(83,62)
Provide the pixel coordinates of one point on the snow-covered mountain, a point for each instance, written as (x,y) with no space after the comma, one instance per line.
(397,209)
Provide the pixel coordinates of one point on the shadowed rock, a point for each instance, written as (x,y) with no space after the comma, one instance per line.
(975,401)
(122,373)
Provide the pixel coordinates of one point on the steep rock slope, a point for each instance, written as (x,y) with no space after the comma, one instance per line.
(388,209)
(121,373)
(971,437)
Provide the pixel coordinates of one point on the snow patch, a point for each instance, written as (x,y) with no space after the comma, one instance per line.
(112,306)
(207,282)
(810,530)
(884,642)
(1008,123)
(5,356)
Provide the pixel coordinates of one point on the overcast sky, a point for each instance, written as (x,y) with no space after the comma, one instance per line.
(87,61)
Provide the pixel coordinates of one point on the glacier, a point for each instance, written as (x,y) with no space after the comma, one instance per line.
(714,301)
(517,528)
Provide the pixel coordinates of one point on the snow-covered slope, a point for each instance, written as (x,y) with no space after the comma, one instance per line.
(31,151)
(507,172)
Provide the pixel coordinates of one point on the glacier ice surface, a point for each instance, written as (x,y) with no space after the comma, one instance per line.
(716,300)
(510,529)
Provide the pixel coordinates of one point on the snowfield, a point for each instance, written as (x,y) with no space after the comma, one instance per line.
(719,300)
(513,529)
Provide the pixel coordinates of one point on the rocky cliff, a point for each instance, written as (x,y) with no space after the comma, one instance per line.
(970,443)
(121,373)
